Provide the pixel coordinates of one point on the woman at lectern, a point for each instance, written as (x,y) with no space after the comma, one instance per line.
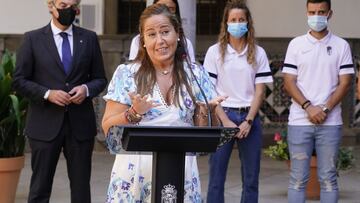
(157,89)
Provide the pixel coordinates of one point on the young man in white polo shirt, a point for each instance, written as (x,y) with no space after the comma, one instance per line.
(318,70)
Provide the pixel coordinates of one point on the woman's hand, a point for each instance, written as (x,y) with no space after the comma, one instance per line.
(213,103)
(142,104)
(244,130)
(216,101)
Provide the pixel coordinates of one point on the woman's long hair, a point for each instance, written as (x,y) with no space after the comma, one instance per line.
(145,78)
(223,38)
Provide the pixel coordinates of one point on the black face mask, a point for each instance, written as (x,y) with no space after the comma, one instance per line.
(66,16)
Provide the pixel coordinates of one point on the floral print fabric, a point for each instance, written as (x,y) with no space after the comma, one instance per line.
(131,174)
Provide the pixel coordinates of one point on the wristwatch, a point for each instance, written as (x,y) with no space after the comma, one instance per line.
(249,121)
(325,109)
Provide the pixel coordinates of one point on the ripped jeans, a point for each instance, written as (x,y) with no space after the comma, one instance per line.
(302,140)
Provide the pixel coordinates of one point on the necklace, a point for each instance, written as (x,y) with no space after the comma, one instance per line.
(165,72)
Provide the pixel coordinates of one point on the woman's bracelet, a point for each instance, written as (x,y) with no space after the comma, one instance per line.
(132,117)
(135,112)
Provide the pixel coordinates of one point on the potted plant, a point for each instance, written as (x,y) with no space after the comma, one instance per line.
(280,150)
(12,121)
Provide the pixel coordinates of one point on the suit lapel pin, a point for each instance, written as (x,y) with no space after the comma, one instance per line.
(81,41)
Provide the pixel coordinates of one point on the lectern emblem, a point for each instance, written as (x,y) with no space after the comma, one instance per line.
(168,194)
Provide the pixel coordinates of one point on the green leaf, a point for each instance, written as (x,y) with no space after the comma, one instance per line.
(2,72)
(15,106)
(7,63)
(5,91)
(12,111)
(345,159)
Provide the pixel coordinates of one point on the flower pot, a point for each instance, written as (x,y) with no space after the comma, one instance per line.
(10,169)
(313,185)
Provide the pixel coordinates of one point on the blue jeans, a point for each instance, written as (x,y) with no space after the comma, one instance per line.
(249,154)
(302,140)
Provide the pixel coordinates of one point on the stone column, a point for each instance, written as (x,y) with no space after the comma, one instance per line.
(111,16)
(188,18)
(149,2)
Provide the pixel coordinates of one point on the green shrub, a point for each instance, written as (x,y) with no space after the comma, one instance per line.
(345,159)
(12,111)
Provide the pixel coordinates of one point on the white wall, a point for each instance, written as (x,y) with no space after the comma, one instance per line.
(287,18)
(19,16)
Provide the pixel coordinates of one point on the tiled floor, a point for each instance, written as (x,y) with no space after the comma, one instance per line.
(273,180)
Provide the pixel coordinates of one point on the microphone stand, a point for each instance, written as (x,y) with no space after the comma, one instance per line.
(201,90)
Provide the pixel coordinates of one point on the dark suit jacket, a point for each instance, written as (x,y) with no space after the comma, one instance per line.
(39,68)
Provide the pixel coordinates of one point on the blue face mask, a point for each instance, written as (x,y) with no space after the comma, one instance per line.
(317,23)
(237,30)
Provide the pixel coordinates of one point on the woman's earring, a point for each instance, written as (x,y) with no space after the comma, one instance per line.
(144,46)
(178,39)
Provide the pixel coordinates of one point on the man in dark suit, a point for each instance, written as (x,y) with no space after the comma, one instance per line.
(60,69)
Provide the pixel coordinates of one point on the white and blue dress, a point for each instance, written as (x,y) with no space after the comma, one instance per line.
(131,174)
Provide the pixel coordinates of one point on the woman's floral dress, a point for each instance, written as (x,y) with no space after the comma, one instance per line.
(131,174)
